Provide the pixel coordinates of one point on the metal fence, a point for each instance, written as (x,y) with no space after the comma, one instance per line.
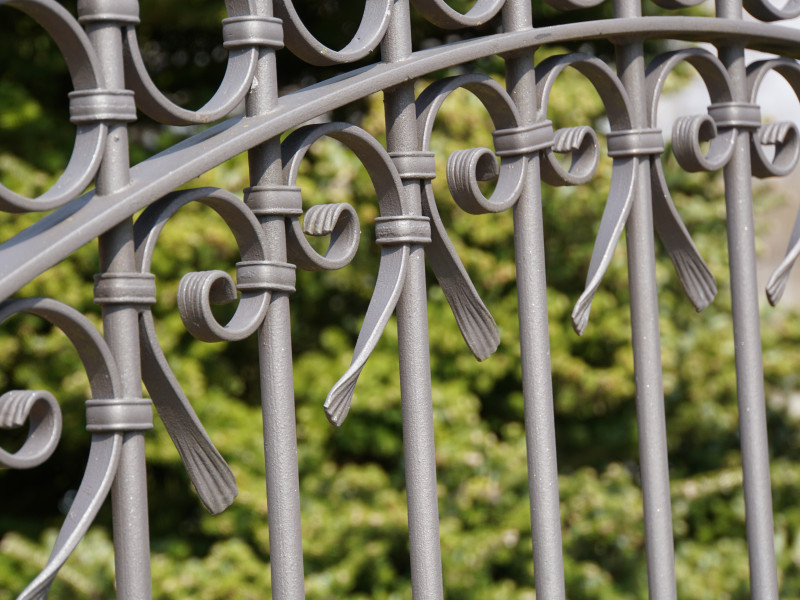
(110,81)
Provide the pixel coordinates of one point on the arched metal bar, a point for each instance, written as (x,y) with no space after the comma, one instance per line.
(68,228)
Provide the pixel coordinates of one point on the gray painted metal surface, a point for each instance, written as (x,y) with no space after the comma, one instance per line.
(110,82)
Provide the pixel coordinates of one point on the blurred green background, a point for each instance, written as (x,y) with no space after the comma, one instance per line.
(352,482)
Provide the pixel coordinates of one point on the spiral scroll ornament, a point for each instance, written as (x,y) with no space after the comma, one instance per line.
(108,416)
(243,32)
(92,107)
(783,137)
(625,145)
(689,132)
(398,233)
(257,279)
(41,410)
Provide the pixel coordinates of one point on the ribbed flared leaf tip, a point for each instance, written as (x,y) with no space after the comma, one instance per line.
(775,288)
(477,326)
(211,477)
(696,278)
(337,404)
(580,315)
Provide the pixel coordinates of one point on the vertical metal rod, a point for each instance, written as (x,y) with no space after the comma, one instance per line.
(120,326)
(747,338)
(647,339)
(275,358)
(414,351)
(537,387)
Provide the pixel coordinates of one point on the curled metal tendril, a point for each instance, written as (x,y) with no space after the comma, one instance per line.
(765,10)
(784,138)
(304,45)
(244,31)
(395,244)
(573,4)
(197,291)
(688,134)
(621,194)
(106,441)
(91,107)
(581,143)
(340,221)
(677,4)
(210,474)
(441,14)
(41,410)
(464,169)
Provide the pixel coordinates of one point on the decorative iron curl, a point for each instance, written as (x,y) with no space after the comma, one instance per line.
(765,10)
(108,415)
(464,169)
(257,280)
(442,15)
(581,143)
(339,220)
(244,31)
(396,231)
(91,107)
(305,46)
(626,147)
(786,141)
(41,410)
(688,132)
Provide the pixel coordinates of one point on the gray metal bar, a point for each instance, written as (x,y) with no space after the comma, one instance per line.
(537,386)
(120,325)
(747,337)
(646,338)
(275,360)
(414,351)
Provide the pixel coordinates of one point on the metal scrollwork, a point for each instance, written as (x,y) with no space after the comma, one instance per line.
(396,231)
(243,32)
(41,409)
(464,169)
(584,150)
(108,416)
(688,133)
(783,136)
(91,107)
(303,44)
(626,146)
(257,278)
(765,10)
(440,13)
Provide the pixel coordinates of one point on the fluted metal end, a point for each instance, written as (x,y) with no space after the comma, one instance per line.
(477,326)
(580,314)
(337,404)
(696,278)
(776,286)
(209,473)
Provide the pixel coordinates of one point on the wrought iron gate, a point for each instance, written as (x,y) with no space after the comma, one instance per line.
(111,82)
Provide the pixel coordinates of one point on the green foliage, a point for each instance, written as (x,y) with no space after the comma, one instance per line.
(352,482)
